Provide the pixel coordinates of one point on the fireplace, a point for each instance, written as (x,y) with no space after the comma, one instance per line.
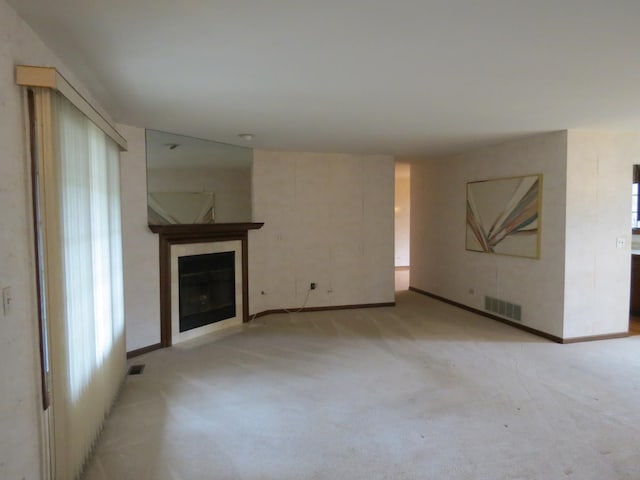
(182,241)
(207,289)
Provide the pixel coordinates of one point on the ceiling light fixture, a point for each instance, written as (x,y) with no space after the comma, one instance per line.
(247,136)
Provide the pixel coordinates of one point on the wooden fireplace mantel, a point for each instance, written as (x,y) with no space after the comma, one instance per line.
(198,230)
(197,233)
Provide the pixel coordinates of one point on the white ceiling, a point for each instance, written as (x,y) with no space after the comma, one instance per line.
(421,77)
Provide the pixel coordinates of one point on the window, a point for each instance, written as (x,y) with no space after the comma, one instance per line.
(635,200)
(635,208)
(79,254)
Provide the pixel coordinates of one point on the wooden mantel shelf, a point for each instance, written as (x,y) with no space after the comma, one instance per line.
(195,233)
(198,229)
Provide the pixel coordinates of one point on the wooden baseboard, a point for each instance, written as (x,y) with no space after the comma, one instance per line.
(141,351)
(548,336)
(593,338)
(533,331)
(321,309)
(539,333)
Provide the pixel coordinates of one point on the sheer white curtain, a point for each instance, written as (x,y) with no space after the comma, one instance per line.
(87,337)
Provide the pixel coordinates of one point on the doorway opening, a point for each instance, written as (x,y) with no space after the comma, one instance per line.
(634,304)
(402,209)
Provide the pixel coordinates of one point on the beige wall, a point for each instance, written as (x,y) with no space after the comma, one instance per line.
(20,402)
(599,173)
(139,247)
(580,285)
(328,219)
(441,265)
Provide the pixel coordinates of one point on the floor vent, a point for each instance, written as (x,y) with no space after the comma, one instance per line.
(502,308)
(136,369)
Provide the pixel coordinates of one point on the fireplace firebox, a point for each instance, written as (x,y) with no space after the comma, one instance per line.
(207,289)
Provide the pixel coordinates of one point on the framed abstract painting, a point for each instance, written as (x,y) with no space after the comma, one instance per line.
(503,216)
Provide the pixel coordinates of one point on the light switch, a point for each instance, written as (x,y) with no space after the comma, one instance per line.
(620,242)
(6,300)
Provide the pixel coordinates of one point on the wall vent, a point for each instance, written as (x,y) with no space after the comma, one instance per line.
(502,308)
(136,369)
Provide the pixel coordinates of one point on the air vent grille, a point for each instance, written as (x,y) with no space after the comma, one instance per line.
(503,308)
(136,369)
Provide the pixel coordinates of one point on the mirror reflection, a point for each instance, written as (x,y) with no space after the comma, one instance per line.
(191,180)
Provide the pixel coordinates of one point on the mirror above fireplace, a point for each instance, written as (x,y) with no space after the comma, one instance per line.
(196,181)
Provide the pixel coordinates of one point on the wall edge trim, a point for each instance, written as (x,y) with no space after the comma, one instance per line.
(141,351)
(594,338)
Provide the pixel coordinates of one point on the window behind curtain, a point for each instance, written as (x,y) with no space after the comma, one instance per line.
(635,221)
(635,199)
(88,343)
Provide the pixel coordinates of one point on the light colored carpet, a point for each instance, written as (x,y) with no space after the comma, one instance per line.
(420,391)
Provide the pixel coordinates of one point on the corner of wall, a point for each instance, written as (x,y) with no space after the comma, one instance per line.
(441,265)
(597,272)
(139,246)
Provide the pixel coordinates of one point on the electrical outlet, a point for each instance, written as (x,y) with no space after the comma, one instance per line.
(312,286)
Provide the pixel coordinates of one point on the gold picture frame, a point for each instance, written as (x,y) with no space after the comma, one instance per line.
(504,216)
